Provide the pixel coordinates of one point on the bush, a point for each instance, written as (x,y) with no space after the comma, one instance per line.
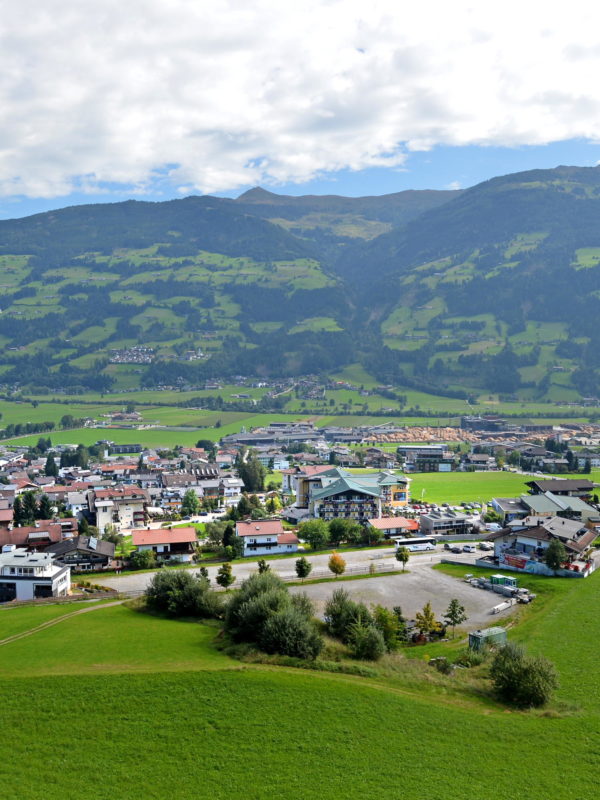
(365,641)
(263,611)
(341,613)
(471,658)
(289,633)
(142,559)
(253,614)
(180,594)
(523,680)
(442,665)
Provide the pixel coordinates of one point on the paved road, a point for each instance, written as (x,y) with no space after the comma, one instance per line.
(359,560)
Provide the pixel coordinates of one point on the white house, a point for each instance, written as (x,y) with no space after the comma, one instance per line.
(264,537)
(28,576)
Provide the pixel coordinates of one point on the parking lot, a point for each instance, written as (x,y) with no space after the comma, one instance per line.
(411,591)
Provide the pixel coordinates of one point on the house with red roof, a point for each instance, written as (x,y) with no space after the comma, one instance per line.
(265,537)
(174,544)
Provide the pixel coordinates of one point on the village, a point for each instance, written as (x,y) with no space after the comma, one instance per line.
(69,510)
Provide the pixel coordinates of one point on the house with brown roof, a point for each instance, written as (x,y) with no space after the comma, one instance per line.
(174,544)
(265,537)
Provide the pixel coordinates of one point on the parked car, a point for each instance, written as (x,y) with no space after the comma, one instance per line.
(447,546)
(456,548)
(486,546)
(468,548)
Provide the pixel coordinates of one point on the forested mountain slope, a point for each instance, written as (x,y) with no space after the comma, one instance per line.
(495,288)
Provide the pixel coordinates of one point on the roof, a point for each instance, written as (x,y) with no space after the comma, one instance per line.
(345,485)
(287,538)
(88,544)
(22,536)
(308,471)
(134,492)
(390,523)
(563,485)
(259,527)
(147,536)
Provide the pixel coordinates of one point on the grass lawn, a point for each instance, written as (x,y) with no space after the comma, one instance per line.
(155,703)
(456,487)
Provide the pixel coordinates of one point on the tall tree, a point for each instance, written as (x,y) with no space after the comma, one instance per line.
(45,510)
(29,508)
(190,504)
(50,468)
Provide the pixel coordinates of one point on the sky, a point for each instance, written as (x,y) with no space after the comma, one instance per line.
(155,99)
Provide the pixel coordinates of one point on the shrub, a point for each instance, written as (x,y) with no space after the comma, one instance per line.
(289,633)
(442,665)
(303,604)
(522,680)
(390,627)
(471,658)
(142,559)
(180,594)
(365,641)
(253,614)
(341,612)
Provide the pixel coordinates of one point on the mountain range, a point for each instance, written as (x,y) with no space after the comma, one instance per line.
(491,289)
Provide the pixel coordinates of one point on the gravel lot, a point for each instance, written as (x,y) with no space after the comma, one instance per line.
(411,591)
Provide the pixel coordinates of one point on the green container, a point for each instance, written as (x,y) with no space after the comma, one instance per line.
(495,636)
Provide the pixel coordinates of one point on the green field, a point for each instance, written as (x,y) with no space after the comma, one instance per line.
(114,703)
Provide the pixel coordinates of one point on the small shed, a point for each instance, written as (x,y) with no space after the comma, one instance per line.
(478,639)
(503,580)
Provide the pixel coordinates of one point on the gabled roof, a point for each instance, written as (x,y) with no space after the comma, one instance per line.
(147,536)
(259,527)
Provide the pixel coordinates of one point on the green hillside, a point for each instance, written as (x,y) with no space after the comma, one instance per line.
(491,290)
(115,703)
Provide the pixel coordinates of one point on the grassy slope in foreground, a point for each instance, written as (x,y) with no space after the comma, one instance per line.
(195,726)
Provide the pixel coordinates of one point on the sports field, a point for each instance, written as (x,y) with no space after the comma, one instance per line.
(117,704)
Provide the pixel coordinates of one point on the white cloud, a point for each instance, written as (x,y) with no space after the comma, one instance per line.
(210,95)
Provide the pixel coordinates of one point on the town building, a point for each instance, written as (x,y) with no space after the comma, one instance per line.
(174,544)
(263,537)
(121,506)
(444,523)
(29,576)
(83,553)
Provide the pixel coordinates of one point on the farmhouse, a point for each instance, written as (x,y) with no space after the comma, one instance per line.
(175,544)
(260,537)
(28,576)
